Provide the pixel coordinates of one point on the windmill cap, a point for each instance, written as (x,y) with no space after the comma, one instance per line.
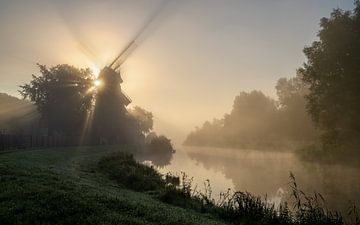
(109,76)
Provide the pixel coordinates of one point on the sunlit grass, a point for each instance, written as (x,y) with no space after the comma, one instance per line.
(63,186)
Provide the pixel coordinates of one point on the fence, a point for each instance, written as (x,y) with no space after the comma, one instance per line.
(13,141)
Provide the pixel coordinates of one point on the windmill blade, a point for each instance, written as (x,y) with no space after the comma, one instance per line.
(74,30)
(119,60)
(131,46)
(117,67)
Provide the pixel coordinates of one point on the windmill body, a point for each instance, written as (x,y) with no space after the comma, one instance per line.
(111,123)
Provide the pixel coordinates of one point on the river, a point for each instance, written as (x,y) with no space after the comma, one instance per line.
(266,173)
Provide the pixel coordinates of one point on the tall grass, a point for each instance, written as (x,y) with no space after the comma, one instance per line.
(235,207)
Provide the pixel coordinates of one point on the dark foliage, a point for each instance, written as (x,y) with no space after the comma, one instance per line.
(160,145)
(123,168)
(157,149)
(332,72)
(61,94)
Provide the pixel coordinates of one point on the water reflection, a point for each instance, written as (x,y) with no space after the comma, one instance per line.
(266,173)
(158,159)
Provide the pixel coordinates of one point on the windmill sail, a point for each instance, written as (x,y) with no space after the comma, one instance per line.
(131,46)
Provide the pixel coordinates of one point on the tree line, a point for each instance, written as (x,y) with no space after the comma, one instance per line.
(258,121)
(321,105)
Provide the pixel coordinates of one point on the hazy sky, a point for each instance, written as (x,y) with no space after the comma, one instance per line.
(197,56)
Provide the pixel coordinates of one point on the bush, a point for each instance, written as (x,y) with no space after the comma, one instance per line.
(123,168)
(159,150)
(160,145)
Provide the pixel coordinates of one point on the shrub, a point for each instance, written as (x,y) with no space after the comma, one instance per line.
(160,145)
(123,168)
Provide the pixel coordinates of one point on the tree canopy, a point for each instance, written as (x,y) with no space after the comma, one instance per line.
(332,72)
(61,94)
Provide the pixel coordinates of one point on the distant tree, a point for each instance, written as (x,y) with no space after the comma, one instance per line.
(294,122)
(210,134)
(258,121)
(143,118)
(251,120)
(251,123)
(62,95)
(332,72)
(17,116)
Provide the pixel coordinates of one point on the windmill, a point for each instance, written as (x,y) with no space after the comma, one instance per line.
(111,122)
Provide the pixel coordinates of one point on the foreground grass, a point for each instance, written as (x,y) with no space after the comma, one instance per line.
(102,185)
(63,186)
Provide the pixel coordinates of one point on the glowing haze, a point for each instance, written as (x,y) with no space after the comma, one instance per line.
(197,56)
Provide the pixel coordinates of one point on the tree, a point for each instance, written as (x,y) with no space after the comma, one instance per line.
(160,150)
(251,118)
(332,72)
(251,123)
(294,122)
(210,134)
(291,92)
(143,119)
(63,97)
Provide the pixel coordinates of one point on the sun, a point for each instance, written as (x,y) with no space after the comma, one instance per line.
(97,83)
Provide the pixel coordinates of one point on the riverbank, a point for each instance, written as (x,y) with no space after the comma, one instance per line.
(101,185)
(63,186)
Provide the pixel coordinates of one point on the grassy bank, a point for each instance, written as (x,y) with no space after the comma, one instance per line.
(102,185)
(63,186)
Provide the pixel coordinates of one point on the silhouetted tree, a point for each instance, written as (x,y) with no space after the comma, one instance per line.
(332,72)
(160,151)
(294,122)
(61,94)
(143,118)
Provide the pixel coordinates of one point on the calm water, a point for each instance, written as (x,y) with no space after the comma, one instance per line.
(266,173)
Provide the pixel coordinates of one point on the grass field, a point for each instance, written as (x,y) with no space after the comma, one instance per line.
(94,185)
(63,186)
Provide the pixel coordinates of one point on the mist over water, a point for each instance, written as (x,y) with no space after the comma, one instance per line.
(266,173)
